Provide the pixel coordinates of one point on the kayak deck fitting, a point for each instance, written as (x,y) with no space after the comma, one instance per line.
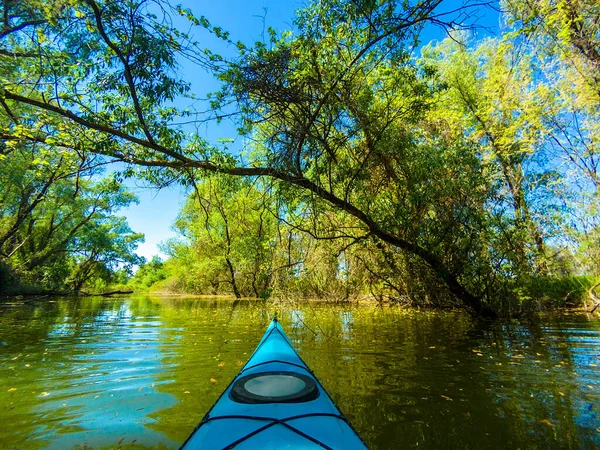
(275,402)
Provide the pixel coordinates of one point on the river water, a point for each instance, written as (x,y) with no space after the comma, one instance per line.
(141,372)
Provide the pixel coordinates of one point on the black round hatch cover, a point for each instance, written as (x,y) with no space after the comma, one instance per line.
(274,387)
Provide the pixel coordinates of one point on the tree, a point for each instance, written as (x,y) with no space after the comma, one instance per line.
(565,36)
(334,109)
(57,225)
(148,274)
(493,97)
(229,230)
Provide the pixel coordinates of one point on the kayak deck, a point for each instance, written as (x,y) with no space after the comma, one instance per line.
(275,402)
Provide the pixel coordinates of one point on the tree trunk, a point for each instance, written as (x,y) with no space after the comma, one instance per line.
(236,292)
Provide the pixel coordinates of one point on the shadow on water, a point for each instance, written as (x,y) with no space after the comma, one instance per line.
(109,372)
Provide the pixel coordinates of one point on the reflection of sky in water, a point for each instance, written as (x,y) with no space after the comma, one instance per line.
(346,321)
(555,367)
(297,317)
(103,388)
(298,326)
(583,354)
(82,372)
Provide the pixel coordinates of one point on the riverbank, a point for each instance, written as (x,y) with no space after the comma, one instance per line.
(590,305)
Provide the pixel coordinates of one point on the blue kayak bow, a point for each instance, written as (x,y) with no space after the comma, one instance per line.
(275,402)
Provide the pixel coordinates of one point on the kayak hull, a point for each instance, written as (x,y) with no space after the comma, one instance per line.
(275,402)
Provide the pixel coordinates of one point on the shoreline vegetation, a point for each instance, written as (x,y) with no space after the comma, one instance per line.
(358,158)
(585,300)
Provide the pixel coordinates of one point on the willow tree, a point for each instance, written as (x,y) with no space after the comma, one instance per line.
(58,227)
(565,37)
(493,98)
(227,238)
(332,107)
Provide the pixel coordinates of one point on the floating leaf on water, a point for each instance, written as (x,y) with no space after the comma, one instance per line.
(140,389)
(547,422)
(45,394)
(592,365)
(152,385)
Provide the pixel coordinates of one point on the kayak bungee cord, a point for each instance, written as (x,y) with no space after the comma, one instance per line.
(277,361)
(279,422)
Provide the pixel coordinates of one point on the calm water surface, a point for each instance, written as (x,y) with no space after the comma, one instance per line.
(141,372)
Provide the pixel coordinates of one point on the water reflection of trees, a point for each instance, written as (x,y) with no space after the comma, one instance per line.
(544,389)
(405,379)
(443,380)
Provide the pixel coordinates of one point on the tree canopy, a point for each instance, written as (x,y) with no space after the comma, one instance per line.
(447,167)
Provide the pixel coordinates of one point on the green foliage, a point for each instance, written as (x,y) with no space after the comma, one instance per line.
(457,176)
(57,225)
(148,274)
(228,238)
(558,292)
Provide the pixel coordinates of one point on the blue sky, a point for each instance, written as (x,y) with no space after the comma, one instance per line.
(158,209)
(245,20)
